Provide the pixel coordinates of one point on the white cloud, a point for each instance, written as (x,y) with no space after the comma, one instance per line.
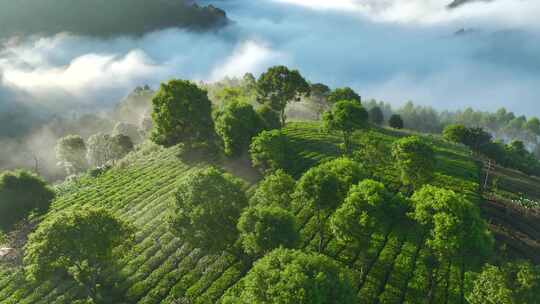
(250,56)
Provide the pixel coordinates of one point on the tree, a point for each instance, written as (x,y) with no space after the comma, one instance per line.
(415,159)
(71,154)
(346,117)
(79,243)
(456,133)
(236,125)
(514,282)
(269,151)
(533,125)
(376,116)
(454,227)
(129,130)
(269,118)
(319,95)
(294,277)
(341,94)
(208,205)
(120,146)
(274,190)
(265,228)
(348,171)
(181,114)
(22,193)
(369,208)
(278,86)
(396,122)
(99,149)
(321,191)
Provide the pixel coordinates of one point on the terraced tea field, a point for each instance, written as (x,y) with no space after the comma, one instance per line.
(161,268)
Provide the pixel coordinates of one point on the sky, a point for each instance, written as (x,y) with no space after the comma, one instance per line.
(390,50)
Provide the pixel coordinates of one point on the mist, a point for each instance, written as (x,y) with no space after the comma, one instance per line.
(485,55)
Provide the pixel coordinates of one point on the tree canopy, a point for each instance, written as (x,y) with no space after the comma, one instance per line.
(71,154)
(278,86)
(208,204)
(376,115)
(236,124)
(79,243)
(346,117)
(415,159)
(264,228)
(181,114)
(294,277)
(20,194)
(341,94)
(269,151)
(274,190)
(396,122)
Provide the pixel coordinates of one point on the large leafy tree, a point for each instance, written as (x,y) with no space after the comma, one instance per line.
(181,114)
(454,227)
(236,124)
(264,228)
(415,159)
(346,117)
(128,129)
(369,208)
(396,122)
(71,154)
(208,205)
(20,194)
(341,94)
(78,243)
(348,171)
(320,190)
(278,86)
(515,282)
(274,190)
(294,277)
(99,149)
(268,151)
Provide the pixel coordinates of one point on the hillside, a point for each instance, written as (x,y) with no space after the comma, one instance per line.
(162,269)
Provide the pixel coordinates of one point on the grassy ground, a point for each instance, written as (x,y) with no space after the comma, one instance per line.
(162,269)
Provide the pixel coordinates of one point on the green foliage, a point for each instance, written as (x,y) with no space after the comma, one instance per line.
(278,86)
(319,97)
(120,146)
(275,190)
(294,277)
(376,115)
(236,125)
(181,114)
(264,228)
(71,154)
(368,208)
(453,223)
(268,151)
(129,130)
(415,159)
(78,243)
(270,118)
(20,194)
(396,122)
(455,133)
(512,283)
(348,171)
(99,149)
(341,94)
(208,204)
(346,116)
(320,190)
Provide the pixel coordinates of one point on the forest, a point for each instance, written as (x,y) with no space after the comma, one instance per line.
(274,189)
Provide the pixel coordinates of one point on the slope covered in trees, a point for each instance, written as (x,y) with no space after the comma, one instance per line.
(333,211)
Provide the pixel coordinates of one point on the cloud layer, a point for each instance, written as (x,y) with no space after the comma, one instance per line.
(395,50)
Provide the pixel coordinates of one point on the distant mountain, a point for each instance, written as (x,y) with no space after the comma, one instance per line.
(104,17)
(457,3)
